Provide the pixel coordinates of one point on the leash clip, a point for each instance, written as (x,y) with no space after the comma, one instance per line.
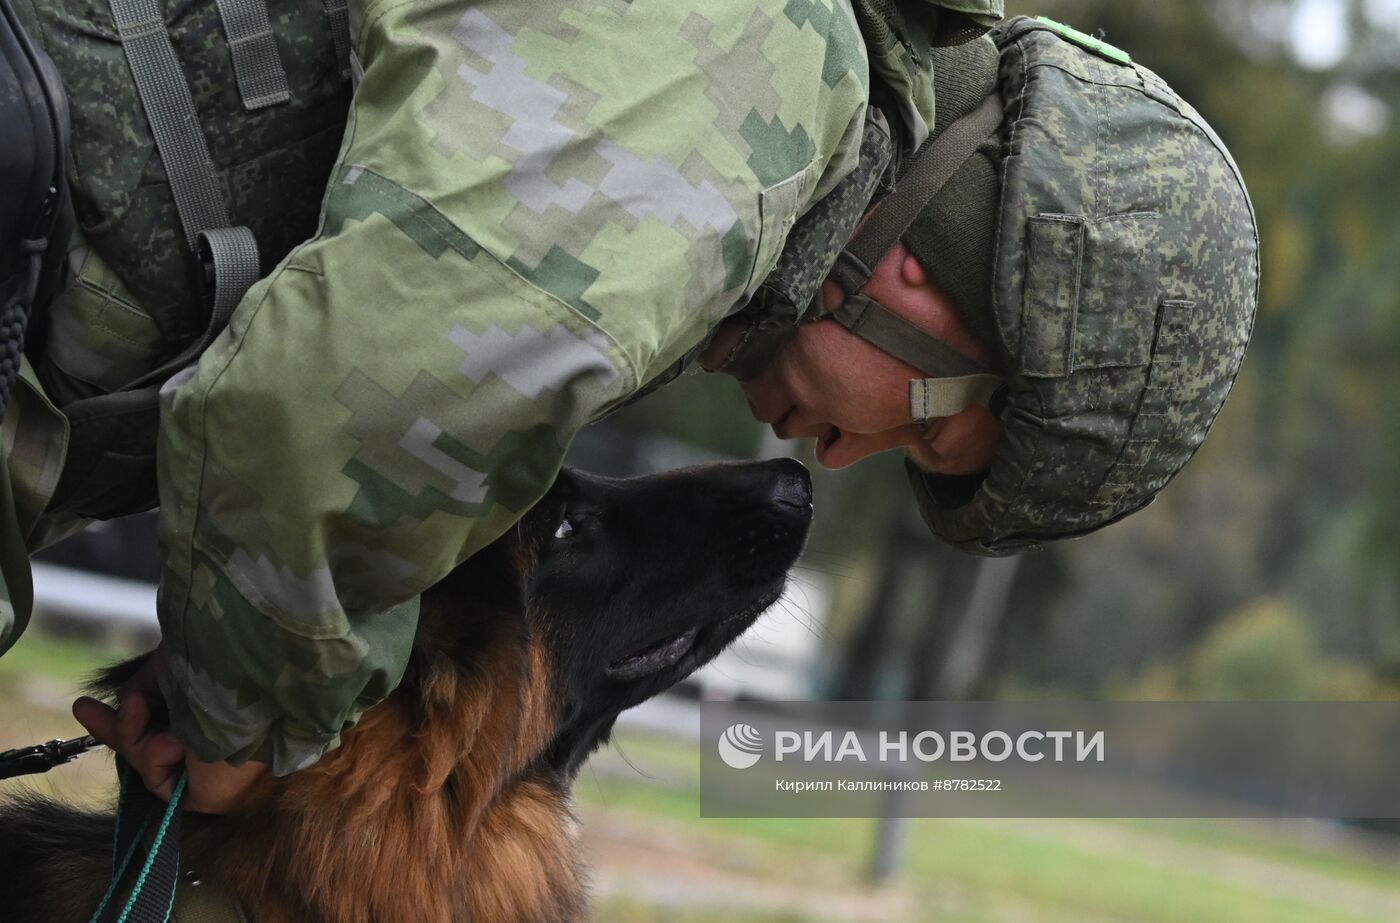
(38,758)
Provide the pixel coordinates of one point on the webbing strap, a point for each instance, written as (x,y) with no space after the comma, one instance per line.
(152,893)
(233,255)
(876,324)
(339,14)
(957,381)
(933,398)
(257,64)
(229,254)
(935,164)
(14,318)
(165,95)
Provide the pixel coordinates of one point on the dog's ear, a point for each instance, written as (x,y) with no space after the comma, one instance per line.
(498,576)
(479,597)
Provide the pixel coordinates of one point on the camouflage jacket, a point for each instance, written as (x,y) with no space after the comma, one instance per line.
(536,210)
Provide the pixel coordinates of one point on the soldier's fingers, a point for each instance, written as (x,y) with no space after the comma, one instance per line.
(159,780)
(99,718)
(160,749)
(157,758)
(132,716)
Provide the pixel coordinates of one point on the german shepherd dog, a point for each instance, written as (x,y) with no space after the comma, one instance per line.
(450,801)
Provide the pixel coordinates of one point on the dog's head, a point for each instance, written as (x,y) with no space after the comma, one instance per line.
(610,591)
(606,593)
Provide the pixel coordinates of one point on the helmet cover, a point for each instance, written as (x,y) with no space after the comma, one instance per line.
(1125,287)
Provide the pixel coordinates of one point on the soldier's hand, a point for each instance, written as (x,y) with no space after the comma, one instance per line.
(155,755)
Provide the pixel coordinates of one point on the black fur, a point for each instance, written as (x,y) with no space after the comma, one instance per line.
(641,564)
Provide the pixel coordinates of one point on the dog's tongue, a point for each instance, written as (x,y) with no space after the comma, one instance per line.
(655,658)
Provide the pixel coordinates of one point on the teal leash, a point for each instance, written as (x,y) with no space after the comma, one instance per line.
(153,893)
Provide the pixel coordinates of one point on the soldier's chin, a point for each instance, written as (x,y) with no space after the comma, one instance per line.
(831,453)
(918,460)
(928,459)
(930,462)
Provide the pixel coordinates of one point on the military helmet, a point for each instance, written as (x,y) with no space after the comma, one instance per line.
(1118,285)
(1125,283)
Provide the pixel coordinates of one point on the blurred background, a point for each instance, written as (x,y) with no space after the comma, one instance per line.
(1270,570)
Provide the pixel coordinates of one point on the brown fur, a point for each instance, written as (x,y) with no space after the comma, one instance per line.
(429,810)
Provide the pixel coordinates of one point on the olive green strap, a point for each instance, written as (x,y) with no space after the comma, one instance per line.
(16,582)
(935,164)
(225,252)
(165,95)
(257,64)
(957,381)
(338,12)
(232,254)
(877,324)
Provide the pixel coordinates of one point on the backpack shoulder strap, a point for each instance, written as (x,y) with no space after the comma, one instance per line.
(165,96)
(257,64)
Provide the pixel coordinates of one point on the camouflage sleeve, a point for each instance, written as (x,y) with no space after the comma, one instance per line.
(537,208)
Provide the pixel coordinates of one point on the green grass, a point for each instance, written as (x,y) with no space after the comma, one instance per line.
(1348,857)
(1141,871)
(1068,883)
(630,911)
(61,660)
(954,871)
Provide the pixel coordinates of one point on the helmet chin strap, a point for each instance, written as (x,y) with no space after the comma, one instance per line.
(955,381)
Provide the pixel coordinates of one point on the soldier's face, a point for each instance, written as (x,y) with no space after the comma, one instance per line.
(830,385)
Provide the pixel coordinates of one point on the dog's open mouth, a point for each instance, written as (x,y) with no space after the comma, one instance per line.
(657,657)
(670,651)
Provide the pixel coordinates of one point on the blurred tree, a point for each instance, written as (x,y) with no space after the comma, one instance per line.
(1297,495)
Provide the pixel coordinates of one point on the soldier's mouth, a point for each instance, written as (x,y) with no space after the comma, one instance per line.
(780,425)
(825,443)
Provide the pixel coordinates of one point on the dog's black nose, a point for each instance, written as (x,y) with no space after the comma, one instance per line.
(792,485)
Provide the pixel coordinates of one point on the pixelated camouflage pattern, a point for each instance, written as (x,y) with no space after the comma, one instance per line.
(536,211)
(900,35)
(789,294)
(272,163)
(1126,285)
(538,208)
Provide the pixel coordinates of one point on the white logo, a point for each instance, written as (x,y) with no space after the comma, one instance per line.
(740,746)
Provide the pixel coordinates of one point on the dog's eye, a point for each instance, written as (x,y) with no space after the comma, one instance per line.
(565,529)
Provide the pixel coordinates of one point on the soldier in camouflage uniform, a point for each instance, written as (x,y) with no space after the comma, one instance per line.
(536,213)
